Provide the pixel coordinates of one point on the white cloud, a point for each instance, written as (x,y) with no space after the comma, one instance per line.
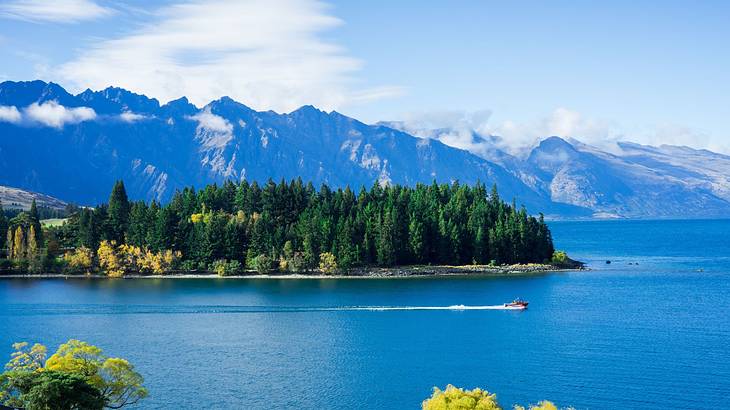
(453,128)
(211,122)
(129,116)
(458,129)
(269,54)
(59,11)
(562,122)
(52,114)
(9,114)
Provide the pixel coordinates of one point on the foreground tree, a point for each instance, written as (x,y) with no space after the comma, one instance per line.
(453,398)
(78,373)
(49,390)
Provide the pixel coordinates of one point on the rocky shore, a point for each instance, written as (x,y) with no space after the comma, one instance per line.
(370,272)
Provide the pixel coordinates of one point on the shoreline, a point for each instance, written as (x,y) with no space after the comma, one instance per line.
(402,272)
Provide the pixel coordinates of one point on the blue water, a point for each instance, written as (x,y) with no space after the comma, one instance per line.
(653,335)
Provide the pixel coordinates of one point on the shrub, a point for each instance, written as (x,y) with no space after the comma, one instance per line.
(560,258)
(188,266)
(81,260)
(219,267)
(327,263)
(263,264)
(297,263)
(225,268)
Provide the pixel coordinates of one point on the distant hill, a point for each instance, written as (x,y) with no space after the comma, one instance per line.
(75,147)
(14,198)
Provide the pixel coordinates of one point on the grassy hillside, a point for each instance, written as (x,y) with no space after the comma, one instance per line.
(14,198)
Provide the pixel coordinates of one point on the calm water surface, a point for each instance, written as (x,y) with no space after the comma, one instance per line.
(652,335)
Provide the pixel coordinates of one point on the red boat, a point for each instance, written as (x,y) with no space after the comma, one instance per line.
(517,304)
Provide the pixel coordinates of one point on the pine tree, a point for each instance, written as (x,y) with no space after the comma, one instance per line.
(416,240)
(118,213)
(139,223)
(385,248)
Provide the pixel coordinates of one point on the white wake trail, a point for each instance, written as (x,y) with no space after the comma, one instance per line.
(452,307)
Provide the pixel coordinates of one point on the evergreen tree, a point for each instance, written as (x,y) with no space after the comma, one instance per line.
(385,248)
(417,242)
(384,225)
(118,212)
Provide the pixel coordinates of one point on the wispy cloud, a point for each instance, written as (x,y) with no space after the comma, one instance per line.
(269,54)
(57,11)
(52,114)
(9,114)
(458,129)
(211,122)
(562,122)
(129,116)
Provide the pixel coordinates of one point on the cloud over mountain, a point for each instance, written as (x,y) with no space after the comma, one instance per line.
(52,114)
(9,114)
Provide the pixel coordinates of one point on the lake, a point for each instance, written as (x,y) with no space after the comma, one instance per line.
(650,330)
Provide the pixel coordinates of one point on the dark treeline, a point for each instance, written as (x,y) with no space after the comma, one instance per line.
(392,225)
(44,212)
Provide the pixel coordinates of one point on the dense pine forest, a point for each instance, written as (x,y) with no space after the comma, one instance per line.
(289,226)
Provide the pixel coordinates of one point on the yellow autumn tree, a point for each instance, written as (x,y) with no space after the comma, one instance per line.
(27,359)
(453,398)
(32,243)
(159,263)
(109,259)
(19,244)
(327,263)
(115,378)
(80,260)
(543,405)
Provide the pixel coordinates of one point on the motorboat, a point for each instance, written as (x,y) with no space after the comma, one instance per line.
(517,304)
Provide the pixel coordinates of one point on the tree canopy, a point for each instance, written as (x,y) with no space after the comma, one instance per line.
(293,226)
(77,376)
(454,398)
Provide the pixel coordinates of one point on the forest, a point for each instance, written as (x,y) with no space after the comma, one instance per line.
(288,226)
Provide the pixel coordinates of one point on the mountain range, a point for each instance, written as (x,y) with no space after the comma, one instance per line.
(74,147)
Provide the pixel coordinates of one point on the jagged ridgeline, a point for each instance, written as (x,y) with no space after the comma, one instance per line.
(450,224)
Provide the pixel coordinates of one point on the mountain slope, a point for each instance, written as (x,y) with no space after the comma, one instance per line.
(622,185)
(63,148)
(630,181)
(14,198)
(75,147)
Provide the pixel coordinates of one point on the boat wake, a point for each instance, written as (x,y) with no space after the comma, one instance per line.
(452,307)
(106,309)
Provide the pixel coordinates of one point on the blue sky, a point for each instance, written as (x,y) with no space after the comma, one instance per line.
(653,72)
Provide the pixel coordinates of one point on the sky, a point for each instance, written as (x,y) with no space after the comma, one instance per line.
(651,72)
